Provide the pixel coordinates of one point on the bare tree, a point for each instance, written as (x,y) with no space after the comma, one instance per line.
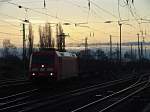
(9,49)
(31,39)
(60,36)
(6,44)
(53,43)
(41,37)
(46,36)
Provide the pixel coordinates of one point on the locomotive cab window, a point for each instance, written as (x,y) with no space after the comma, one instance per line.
(43,59)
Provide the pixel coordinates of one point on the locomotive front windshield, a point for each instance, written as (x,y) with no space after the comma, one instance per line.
(43,59)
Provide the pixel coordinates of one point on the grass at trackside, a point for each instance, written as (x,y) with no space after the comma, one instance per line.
(11,69)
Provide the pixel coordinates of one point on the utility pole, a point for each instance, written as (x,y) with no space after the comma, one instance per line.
(139,46)
(24,50)
(117,51)
(141,50)
(142,46)
(131,51)
(110,47)
(86,45)
(62,43)
(145,52)
(60,37)
(120,25)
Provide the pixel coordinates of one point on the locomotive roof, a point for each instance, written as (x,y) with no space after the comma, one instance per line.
(65,54)
(58,53)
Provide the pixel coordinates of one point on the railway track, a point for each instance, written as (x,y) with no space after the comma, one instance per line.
(16,97)
(33,101)
(105,104)
(68,104)
(15,86)
(139,102)
(13,83)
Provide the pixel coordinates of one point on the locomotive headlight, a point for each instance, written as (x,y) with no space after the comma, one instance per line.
(51,74)
(42,66)
(33,74)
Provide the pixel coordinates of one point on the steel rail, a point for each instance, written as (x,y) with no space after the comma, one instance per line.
(45,101)
(125,98)
(15,84)
(60,96)
(71,94)
(108,97)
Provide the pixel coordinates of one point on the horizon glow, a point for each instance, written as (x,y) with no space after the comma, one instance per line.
(75,11)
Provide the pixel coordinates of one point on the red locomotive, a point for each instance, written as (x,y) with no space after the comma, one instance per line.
(52,64)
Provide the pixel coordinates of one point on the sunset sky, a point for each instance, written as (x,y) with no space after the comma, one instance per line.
(77,11)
